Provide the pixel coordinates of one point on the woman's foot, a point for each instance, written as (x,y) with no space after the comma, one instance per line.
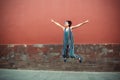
(65,59)
(80,60)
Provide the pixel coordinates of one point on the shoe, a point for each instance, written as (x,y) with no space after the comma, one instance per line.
(65,60)
(80,61)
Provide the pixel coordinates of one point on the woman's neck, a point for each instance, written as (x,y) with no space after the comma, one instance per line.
(68,27)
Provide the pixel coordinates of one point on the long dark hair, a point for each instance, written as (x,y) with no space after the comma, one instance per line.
(69,22)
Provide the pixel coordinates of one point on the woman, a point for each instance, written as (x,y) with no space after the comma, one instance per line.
(68,42)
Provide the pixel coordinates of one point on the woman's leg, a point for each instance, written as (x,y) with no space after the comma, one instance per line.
(73,55)
(65,53)
(78,57)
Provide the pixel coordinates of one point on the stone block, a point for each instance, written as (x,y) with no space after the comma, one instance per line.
(96,57)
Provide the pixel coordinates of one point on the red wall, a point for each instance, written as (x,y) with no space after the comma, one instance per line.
(28,21)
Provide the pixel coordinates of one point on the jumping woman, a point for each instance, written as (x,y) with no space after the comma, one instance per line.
(68,41)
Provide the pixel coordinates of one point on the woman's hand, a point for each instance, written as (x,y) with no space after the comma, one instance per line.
(52,20)
(86,21)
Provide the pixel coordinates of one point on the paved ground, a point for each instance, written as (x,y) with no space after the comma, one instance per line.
(8,74)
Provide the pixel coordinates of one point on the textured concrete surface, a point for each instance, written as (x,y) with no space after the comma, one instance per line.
(6,74)
(96,57)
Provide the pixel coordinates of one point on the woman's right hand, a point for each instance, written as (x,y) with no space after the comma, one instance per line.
(52,20)
(86,21)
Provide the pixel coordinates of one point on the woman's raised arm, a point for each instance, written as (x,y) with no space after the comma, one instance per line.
(57,24)
(78,25)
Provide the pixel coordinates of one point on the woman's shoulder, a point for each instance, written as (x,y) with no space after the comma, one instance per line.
(67,28)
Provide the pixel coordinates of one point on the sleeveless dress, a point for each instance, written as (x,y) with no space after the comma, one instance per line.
(68,44)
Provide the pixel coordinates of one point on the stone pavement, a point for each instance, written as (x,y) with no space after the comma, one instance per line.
(11,74)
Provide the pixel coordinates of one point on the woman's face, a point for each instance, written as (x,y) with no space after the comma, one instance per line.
(66,24)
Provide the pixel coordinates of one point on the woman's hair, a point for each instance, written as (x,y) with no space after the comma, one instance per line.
(69,22)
